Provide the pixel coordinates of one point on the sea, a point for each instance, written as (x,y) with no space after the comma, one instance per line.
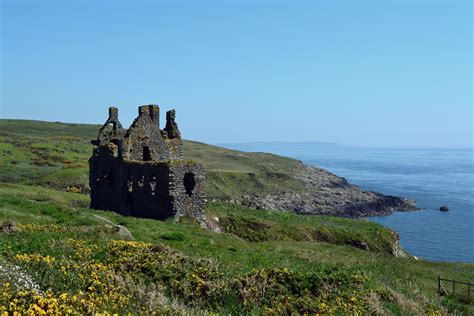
(432,177)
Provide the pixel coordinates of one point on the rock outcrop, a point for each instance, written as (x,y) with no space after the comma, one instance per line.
(328,194)
(8,227)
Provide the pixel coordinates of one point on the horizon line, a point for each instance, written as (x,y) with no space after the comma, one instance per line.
(325,143)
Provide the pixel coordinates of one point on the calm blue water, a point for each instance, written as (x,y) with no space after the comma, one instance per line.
(433,177)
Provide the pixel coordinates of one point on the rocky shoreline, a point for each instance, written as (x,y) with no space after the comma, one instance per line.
(328,194)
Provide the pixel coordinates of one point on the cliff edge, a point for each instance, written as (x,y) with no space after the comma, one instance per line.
(328,194)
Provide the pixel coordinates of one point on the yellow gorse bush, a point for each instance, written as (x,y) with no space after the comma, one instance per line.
(81,276)
(98,281)
(35,258)
(40,228)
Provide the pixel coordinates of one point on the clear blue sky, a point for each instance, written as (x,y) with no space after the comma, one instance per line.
(364,73)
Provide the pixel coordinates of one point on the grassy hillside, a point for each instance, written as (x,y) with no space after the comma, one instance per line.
(261,261)
(56,154)
(62,257)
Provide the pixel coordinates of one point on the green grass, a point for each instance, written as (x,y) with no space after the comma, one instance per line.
(43,163)
(56,155)
(250,240)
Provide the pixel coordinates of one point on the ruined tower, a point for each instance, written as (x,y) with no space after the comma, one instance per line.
(140,171)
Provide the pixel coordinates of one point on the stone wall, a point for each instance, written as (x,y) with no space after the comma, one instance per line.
(143,141)
(148,189)
(188,188)
(175,148)
(139,172)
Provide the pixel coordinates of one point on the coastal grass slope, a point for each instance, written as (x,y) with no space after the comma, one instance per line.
(63,257)
(85,261)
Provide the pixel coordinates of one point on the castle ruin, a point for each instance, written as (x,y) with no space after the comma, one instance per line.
(140,171)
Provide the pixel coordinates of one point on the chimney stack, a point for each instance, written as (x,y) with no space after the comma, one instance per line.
(144,109)
(113,113)
(154,111)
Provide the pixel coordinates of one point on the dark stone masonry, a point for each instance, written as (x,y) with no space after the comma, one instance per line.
(140,171)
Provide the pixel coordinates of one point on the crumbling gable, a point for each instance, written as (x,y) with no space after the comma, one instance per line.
(112,131)
(144,141)
(140,171)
